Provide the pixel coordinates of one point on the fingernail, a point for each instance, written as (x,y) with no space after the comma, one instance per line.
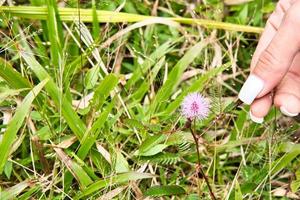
(256,119)
(287,113)
(251,88)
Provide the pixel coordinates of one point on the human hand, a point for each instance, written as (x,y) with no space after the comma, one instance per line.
(275,66)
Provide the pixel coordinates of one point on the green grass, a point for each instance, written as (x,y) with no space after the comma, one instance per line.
(90,103)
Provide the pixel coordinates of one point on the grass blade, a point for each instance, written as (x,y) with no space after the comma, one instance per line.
(103,89)
(14,191)
(173,78)
(96,27)
(76,170)
(90,137)
(71,14)
(13,78)
(73,120)
(101,93)
(149,62)
(120,178)
(197,85)
(291,152)
(16,123)
(165,190)
(54,26)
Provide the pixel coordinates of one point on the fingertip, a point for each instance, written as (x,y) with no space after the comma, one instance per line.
(286,112)
(275,61)
(288,104)
(251,89)
(260,107)
(258,120)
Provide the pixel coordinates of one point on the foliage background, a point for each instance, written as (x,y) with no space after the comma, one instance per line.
(91,113)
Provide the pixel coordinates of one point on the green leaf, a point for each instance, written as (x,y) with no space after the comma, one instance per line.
(54,32)
(14,191)
(145,86)
(192,197)
(153,150)
(174,77)
(197,85)
(297,180)
(239,124)
(100,95)
(121,164)
(12,77)
(8,169)
(73,120)
(6,93)
(134,124)
(91,77)
(268,7)
(37,2)
(16,123)
(150,142)
(110,181)
(295,185)
(96,27)
(100,162)
(71,68)
(44,133)
(243,15)
(286,159)
(149,62)
(238,192)
(166,190)
(161,158)
(76,170)
(90,137)
(103,89)
(29,193)
(67,14)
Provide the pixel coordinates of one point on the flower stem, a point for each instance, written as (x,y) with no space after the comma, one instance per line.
(200,166)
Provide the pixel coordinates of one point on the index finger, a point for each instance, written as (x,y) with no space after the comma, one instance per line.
(276,59)
(271,28)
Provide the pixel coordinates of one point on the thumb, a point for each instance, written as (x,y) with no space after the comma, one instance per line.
(275,60)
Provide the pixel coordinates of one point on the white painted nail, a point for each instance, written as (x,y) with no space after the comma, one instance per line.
(287,113)
(256,119)
(251,88)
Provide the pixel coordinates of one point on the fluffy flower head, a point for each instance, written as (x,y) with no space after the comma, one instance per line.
(195,106)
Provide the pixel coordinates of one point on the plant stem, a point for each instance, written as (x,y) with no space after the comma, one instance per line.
(200,166)
(70,14)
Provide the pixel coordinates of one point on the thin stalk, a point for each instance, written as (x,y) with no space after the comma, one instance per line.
(86,15)
(199,164)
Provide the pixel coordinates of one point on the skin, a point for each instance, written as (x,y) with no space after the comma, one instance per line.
(277,60)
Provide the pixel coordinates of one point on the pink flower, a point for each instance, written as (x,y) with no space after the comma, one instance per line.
(195,106)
